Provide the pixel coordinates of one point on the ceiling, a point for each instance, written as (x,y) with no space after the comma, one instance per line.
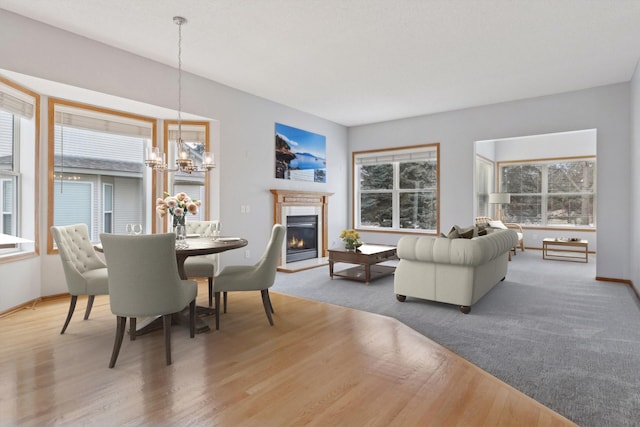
(363,61)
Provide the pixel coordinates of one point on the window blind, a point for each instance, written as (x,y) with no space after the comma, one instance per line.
(104,124)
(399,156)
(15,105)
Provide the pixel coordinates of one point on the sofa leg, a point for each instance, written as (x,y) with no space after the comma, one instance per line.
(465,309)
(401,298)
(502,280)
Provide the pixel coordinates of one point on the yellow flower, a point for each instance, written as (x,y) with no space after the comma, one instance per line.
(350,234)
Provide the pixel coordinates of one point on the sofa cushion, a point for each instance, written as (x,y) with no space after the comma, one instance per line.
(465,232)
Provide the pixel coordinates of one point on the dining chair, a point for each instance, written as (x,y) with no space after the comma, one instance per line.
(144,282)
(84,271)
(203,265)
(258,277)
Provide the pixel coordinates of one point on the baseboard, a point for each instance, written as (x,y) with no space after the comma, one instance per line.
(622,281)
(31,304)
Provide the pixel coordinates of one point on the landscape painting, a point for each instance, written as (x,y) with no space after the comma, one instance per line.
(300,155)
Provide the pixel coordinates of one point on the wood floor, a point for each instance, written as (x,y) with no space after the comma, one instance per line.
(319,365)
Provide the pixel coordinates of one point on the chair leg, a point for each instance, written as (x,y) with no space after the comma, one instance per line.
(225,301)
(121,323)
(89,306)
(166,324)
(192,318)
(132,328)
(267,304)
(72,306)
(270,305)
(522,245)
(217,298)
(210,291)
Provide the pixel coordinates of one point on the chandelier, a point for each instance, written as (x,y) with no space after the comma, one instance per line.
(184,162)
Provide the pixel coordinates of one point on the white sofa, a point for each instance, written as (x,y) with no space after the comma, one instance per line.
(455,271)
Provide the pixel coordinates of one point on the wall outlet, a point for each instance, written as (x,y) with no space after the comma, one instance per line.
(243,209)
(247,253)
(247,209)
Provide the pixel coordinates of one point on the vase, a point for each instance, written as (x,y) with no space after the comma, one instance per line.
(178,220)
(350,245)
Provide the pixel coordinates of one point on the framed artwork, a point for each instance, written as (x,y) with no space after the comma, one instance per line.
(300,155)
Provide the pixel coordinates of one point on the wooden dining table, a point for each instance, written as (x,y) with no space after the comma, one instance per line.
(195,246)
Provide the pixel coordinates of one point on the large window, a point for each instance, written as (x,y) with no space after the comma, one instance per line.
(99,175)
(18,148)
(559,192)
(397,190)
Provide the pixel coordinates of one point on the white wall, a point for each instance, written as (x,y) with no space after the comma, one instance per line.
(606,109)
(245,143)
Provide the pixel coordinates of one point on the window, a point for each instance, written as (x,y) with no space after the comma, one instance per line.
(484,185)
(559,192)
(18,148)
(107,208)
(99,176)
(397,190)
(196,137)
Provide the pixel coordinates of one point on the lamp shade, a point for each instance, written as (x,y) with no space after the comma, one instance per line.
(499,198)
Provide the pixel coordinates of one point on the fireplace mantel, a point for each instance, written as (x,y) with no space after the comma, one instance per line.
(283,199)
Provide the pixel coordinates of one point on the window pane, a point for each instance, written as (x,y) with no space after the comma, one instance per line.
(111,165)
(73,203)
(521,179)
(524,210)
(418,211)
(376,177)
(571,177)
(573,210)
(6,141)
(376,210)
(422,175)
(8,205)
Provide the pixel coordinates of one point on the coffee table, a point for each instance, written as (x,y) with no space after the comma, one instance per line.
(560,254)
(367,258)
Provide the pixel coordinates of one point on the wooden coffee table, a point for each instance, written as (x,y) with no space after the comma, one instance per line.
(367,257)
(560,254)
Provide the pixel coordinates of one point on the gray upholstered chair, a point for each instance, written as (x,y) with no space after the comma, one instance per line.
(144,282)
(258,277)
(84,271)
(203,265)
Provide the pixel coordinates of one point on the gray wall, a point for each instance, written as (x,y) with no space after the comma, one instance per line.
(245,143)
(606,109)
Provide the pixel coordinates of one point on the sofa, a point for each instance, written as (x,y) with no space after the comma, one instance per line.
(456,271)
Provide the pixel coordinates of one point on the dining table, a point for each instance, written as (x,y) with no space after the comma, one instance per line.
(194,246)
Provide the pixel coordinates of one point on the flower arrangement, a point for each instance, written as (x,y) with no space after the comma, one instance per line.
(177,206)
(351,239)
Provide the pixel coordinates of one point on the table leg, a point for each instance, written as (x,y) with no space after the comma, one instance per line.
(330,268)
(367,273)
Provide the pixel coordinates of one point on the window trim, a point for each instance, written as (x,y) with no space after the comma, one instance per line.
(355,192)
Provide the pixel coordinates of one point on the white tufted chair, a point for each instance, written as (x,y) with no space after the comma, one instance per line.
(85,272)
(144,282)
(203,265)
(258,277)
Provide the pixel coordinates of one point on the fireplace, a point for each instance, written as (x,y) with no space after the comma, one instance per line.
(302,237)
(292,204)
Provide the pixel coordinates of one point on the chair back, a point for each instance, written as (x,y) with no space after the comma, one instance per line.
(201,227)
(143,274)
(77,254)
(267,266)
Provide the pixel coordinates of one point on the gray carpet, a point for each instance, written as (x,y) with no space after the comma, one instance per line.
(550,330)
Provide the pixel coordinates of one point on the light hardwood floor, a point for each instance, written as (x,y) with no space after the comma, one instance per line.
(319,365)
